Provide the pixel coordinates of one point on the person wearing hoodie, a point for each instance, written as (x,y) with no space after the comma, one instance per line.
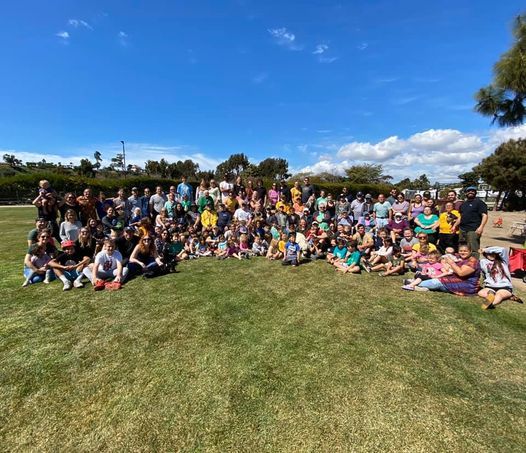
(497,278)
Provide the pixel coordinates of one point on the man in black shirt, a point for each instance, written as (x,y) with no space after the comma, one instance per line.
(473,219)
(307,190)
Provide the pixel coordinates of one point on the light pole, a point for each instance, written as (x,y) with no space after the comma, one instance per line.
(123,158)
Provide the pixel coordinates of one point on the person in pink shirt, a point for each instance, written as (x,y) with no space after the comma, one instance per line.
(432,269)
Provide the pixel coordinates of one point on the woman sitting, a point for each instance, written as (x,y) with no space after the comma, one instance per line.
(145,259)
(497,278)
(464,279)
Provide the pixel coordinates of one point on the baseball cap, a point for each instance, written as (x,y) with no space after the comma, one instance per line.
(470,189)
(427,193)
(368,196)
(359,194)
(66,244)
(134,189)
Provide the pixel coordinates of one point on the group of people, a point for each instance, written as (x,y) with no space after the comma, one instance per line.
(108,240)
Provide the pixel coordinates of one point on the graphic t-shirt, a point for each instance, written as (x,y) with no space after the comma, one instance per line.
(108,263)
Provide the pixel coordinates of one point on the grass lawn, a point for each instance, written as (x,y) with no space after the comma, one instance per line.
(253,356)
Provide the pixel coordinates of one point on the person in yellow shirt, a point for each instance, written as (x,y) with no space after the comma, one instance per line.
(448,231)
(283,202)
(209,217)
(295,192)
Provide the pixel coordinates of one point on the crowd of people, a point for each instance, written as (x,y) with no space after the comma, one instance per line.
(107,240)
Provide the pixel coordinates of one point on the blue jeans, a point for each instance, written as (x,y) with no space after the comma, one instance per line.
(434,284)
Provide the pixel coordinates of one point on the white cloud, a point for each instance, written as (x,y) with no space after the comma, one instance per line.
(285,38)
(76,23)
(320,48)
(362,46)
(123,38)
(63,34)
(260,78)
(442,154)
(327,59)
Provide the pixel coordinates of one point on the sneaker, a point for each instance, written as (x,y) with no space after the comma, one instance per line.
(408,280)
(26,283)
(78,284)
(408,287)
(67,286)
(421,288)
(113,286)
(517,299)
(99,285)
(47,280)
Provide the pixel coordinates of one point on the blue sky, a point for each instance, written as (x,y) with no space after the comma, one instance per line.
(324,84)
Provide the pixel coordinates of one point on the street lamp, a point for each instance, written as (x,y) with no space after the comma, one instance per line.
(123,157)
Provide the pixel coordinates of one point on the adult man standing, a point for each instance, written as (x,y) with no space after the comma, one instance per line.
(157,201)
(307,190)
(357,206)
(184,189)
(473,219)
(381,211)
(391,199)
(284,189)
(144,203)
(134,201)
(451,198)
(225,187)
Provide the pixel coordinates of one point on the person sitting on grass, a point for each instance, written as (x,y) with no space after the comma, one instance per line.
(292,254)
(339,252)
(36,265)
(260,246)
(406,244)
(352,260)
(145,259)
(497,278)
(432,269)
(396,226)
(463,281)
(395,264)
(107,271)
(68,266)
(380,257)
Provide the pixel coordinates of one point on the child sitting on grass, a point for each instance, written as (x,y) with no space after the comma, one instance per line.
(380,257)
(352,260)
(432,269)
(108,266)
(292,253)
(259,247)
(419,258)
(395,265)
(273,252)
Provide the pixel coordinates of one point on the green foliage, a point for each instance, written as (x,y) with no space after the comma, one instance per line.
(420,183)
(503,99)
(12,160)
(505,169)
(86,168)
(233,166)
(273,168)
(367,173)
(470,178)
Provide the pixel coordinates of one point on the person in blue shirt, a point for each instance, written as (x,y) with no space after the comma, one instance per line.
(292,253)
(184,189)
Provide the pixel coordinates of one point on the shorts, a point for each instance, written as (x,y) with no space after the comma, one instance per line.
(493,288)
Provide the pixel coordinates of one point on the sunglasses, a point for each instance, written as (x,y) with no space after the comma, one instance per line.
(146,240)
(422,237)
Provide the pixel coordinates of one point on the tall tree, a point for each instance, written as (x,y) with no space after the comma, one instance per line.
(233,166)
(367,173)
(503,99)
(274,168)
(117,162)
(470,178)
(12,160)
(98,159)
(505,169)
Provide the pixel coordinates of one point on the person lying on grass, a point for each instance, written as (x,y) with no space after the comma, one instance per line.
(107,267)
(463,281)
(352,260)
(497,278)
(68,266)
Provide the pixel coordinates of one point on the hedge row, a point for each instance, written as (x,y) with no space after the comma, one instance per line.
(24,186)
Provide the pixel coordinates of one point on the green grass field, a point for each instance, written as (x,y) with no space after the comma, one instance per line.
(237,356)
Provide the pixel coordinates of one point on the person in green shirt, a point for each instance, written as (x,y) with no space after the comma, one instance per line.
(352,260)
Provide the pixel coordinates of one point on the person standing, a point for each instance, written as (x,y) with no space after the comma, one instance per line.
(184,189)
(473,219)
(157,201)
(307,190)
(225,187)
(381,211)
